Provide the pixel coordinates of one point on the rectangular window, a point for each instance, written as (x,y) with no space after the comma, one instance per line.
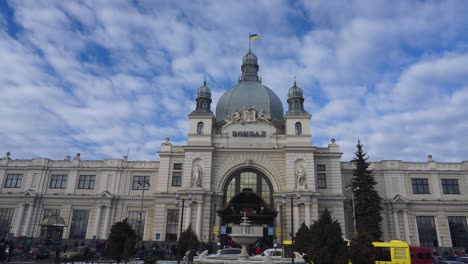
(13,180)
(133,219)
(321,168)
(420,186)
(86,181)
(450,186)
(79,224)
(172,222)
(177,166)
(458,231)
(177,178)
(58,181)
(49,212)
(321,180)
(427,231)
(6,216)
(139,182)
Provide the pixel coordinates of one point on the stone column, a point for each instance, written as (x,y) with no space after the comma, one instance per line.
(98,221)
(406,226)
(27,225)
(20,220)
(396,225)
(307,214)
(188,215)
(199,219)
(297,222)
(107,222)
(438,233)
(278,222)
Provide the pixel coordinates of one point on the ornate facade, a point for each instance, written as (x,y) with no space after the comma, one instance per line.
(250,144)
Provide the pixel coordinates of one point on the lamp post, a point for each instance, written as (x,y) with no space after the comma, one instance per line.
(349,188)
(181,221)
(298,198)
(142,183)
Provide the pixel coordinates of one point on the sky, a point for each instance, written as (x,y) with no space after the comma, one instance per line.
(107,78)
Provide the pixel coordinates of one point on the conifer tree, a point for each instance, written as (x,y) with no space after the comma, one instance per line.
(122,239)
(327,243)
(361,249)
(188,241)
(302,239)
(367,202)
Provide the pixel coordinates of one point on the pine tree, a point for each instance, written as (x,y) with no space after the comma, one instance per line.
(327,244)
(122,239)
(367,202)
(302,239)
(361,249)
(188,241)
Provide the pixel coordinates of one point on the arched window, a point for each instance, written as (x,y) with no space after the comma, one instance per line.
(298,128)
(249,178)
(200,126)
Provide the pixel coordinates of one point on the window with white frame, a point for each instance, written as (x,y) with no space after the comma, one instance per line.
(86,181)
(420,186)
(58,181)
(133,219)
(450,186)
(172,222)
(79,224)
(139,182)
(6,217)
(13,180)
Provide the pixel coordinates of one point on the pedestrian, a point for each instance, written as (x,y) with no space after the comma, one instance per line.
(57,252)
(3,248)
(11,249)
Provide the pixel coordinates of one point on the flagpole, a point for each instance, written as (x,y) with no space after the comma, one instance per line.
(249,41)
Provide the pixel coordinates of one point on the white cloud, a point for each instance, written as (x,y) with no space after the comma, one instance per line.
(100,77)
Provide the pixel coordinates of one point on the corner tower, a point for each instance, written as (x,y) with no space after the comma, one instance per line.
(201,119)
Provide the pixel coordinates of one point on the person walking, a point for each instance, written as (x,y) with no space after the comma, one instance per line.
(3,248)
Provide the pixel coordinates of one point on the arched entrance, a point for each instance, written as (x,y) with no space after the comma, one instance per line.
(248,190)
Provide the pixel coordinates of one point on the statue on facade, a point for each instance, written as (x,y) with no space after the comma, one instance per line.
(300,174)
(196,176)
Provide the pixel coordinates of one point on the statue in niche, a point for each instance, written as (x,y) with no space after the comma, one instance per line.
(196,176)
(300,174)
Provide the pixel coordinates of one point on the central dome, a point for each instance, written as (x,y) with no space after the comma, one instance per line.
(249,93)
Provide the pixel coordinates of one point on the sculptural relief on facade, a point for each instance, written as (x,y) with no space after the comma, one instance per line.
(196,176)
(248,115)
(300,174)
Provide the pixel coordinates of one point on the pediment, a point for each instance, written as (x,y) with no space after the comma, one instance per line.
(399,199)
(30,192)
(105,194)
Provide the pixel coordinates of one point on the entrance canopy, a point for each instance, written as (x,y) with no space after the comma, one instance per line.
(252,204)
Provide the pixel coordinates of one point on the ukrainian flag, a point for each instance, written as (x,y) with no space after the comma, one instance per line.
(253,36)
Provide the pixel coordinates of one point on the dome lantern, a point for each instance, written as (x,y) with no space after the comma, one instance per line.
(203,99)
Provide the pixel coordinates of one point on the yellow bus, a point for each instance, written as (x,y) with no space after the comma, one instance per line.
(393,252)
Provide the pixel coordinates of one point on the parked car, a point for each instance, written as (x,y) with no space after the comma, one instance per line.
(272,252)
(463,259)
(78,253)
(142,254)
(227,253)
(37,252)
(448,262)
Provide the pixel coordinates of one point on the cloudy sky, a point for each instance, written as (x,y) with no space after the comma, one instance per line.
(101,77)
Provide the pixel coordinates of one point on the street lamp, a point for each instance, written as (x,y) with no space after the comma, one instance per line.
(298,199)
(350,188)
(181,221)
(142,183)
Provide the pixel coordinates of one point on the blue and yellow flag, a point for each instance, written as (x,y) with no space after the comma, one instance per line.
(253,36)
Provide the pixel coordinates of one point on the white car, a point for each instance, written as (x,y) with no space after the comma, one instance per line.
(270,252)
(227,253)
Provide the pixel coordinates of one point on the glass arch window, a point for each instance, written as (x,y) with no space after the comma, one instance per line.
(249,178)
(298,128)
(200,127)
